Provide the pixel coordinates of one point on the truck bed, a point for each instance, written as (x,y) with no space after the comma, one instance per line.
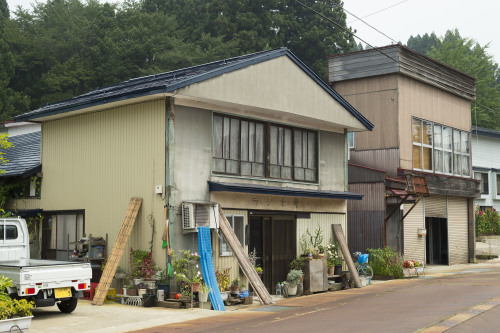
(25,263)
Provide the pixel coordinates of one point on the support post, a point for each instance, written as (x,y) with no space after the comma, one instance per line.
(339,236)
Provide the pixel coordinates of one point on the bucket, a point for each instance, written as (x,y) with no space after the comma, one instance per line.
(148,300)
(160,294)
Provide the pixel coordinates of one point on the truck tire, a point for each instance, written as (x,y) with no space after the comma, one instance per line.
(68,306)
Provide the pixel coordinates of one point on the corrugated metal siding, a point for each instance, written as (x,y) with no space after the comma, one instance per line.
(366,230)
(457,230)
(373,197)
(436,206)
(98,161)
(26,203)
(414,246)
(228,261)
(383,159)
(323,221)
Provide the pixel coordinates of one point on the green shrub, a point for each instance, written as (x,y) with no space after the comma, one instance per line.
(12,308)
(386,262)
(487,222)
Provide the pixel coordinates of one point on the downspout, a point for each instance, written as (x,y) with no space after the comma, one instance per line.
(169,166)
(346,161)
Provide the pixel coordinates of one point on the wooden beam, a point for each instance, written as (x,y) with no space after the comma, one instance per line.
(239,253)
(339,236)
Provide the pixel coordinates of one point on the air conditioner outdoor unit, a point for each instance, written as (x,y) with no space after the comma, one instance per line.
(199,215)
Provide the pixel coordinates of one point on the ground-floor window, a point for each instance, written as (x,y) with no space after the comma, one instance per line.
(237,222)
(58,229)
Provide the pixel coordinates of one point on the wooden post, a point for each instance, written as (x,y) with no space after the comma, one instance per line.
(339,236)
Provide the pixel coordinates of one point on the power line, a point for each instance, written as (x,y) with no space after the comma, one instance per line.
(370,25)
(381,10)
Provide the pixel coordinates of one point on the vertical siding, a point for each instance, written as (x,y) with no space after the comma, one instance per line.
(228,261)
(414,246)
(457,230)
(324,222)
(436,206)
(366,230)
(382,159)
(373,197)
(98,161)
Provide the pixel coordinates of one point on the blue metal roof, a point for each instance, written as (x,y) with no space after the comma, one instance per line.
(288,191)
(485,131)
(170,81)
(24,157)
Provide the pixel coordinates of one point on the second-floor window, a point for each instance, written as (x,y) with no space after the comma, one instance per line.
(440,149)
(252,148)
(483,177)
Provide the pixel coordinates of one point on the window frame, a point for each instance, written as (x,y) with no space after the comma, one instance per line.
(231,219)
(498,184)
(480,175)
(267,141)
(463,153)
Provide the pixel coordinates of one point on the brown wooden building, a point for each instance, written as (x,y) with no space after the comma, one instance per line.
(421,112)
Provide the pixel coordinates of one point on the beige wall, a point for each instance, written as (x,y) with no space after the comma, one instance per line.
(24,203)
(377,99)
(98,161)
(274,90)
(414,245)
(417,99)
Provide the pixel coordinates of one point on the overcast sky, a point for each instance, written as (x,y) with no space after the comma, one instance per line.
(473,19)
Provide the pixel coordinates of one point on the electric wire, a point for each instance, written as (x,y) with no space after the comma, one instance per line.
(381,10)
(371,26)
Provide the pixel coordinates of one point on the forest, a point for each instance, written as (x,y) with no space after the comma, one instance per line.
(58,49)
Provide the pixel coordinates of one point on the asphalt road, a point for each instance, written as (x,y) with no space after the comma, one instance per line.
(461,302)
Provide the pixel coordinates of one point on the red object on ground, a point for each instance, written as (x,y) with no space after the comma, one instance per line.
(177,296)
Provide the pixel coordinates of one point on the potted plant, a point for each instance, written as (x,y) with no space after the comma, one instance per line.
(186,270)
(292,280)
(130,290)
(136,258)
(203,294)
(14,314)
(120,273)
(148,270)
(235,284)
(333,259)
(223,281)
(162,281)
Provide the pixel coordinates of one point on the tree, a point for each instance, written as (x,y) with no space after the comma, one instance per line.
(424,43)
(466,55)
(4,144)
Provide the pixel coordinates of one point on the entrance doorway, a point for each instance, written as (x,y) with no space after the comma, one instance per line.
(436,241)
(274,239)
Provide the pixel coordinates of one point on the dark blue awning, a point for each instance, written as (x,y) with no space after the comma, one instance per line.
(289,191)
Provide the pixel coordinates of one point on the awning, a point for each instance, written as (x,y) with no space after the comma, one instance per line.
(288,191)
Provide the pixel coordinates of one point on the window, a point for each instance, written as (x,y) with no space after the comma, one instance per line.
(498,184)
(237,222)
(60,227)
(440,149)
(245,147)
(483,177)
(350,139)
(8,232)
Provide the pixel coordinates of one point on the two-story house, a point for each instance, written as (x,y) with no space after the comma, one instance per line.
(422,116)
(261,135)
(486,166)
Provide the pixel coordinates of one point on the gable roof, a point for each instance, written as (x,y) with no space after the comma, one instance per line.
(171,81)
(24,157)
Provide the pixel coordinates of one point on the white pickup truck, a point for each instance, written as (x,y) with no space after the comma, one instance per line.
(46,282)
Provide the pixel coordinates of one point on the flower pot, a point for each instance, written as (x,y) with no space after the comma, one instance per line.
(141,292)
(203,296)
(148,300)
(120,276)
(150,284)
(137,281)
(224,295)
(331,270)
(291,289)
(124,291)
(195,286)
(338,270)
(12,325)
(165,287)
(235,288)
(132,292)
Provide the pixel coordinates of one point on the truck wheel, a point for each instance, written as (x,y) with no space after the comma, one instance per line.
(68,306)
